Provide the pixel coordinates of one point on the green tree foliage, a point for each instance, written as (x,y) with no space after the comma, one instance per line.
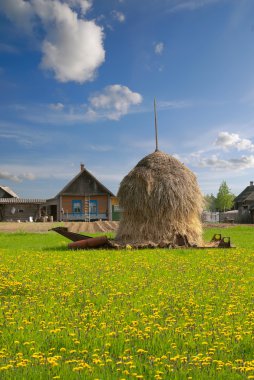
(225,199)
(209,202)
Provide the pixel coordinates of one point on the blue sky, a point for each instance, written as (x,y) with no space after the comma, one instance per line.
(78,79)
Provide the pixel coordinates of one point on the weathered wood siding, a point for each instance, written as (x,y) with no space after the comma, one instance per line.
(101,199)
(29,210)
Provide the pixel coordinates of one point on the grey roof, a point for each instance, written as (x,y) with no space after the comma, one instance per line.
(21,201)
(9,191)
(246,194)
(250,197)
(77,176)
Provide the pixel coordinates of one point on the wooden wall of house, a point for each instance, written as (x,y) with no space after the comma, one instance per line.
(22,212)
(244,215)
(102,202)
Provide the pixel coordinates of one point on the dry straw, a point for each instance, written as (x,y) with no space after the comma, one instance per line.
(161,203)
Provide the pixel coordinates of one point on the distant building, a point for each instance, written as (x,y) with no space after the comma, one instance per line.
(244,203)
(84,198)
(13,208)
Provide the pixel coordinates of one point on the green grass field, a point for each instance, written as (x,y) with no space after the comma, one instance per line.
(147,314)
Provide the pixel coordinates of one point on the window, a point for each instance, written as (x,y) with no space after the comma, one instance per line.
(93,206)
(21,210)
(77,207)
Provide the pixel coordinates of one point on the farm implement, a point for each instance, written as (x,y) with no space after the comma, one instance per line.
(80,241)
(219,241)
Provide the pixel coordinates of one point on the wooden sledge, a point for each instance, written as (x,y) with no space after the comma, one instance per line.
(80,241)
(89,243)
(69,235)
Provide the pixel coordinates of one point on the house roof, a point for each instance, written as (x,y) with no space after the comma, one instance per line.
(250,197)
(82,171)
(9,191)
(246,194)
(21,201)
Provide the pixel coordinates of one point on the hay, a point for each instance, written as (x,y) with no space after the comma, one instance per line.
(161,204)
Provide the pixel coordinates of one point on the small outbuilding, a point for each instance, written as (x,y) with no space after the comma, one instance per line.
(13,208)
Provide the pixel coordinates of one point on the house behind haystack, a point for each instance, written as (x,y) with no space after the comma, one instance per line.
(84,198)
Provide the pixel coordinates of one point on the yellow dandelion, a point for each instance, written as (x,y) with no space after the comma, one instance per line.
(77,369)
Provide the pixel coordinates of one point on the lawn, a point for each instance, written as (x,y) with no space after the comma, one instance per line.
(130,314)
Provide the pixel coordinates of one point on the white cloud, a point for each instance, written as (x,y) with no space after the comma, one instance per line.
(56,106)
(119,16)
(158,48)
(29,176)
(243,162)
(173,104)
(113,102)
(84,5)
(190,5)
(9,176)
(20,12)
(72,47)
(227,140)
(218,155)
(16,178)
(22,134)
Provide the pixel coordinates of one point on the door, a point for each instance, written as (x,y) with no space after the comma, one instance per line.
(53,212)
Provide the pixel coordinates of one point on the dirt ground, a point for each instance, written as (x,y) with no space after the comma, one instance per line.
(91,227)
(224,225)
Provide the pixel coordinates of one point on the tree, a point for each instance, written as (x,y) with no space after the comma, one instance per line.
(209,202)
(225,199)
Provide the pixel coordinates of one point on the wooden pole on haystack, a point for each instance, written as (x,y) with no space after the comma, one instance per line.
(156,127)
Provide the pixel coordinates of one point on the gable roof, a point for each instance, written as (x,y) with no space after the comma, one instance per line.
(9,191)
(246,194)
(82,171)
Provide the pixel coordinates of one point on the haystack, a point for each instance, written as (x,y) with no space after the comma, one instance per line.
(161,204)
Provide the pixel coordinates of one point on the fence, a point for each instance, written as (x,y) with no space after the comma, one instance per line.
(220,217)
(210,217)
(83,217)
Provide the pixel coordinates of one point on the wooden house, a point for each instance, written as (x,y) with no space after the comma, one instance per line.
(84,198)
(13,208)
(244,203)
